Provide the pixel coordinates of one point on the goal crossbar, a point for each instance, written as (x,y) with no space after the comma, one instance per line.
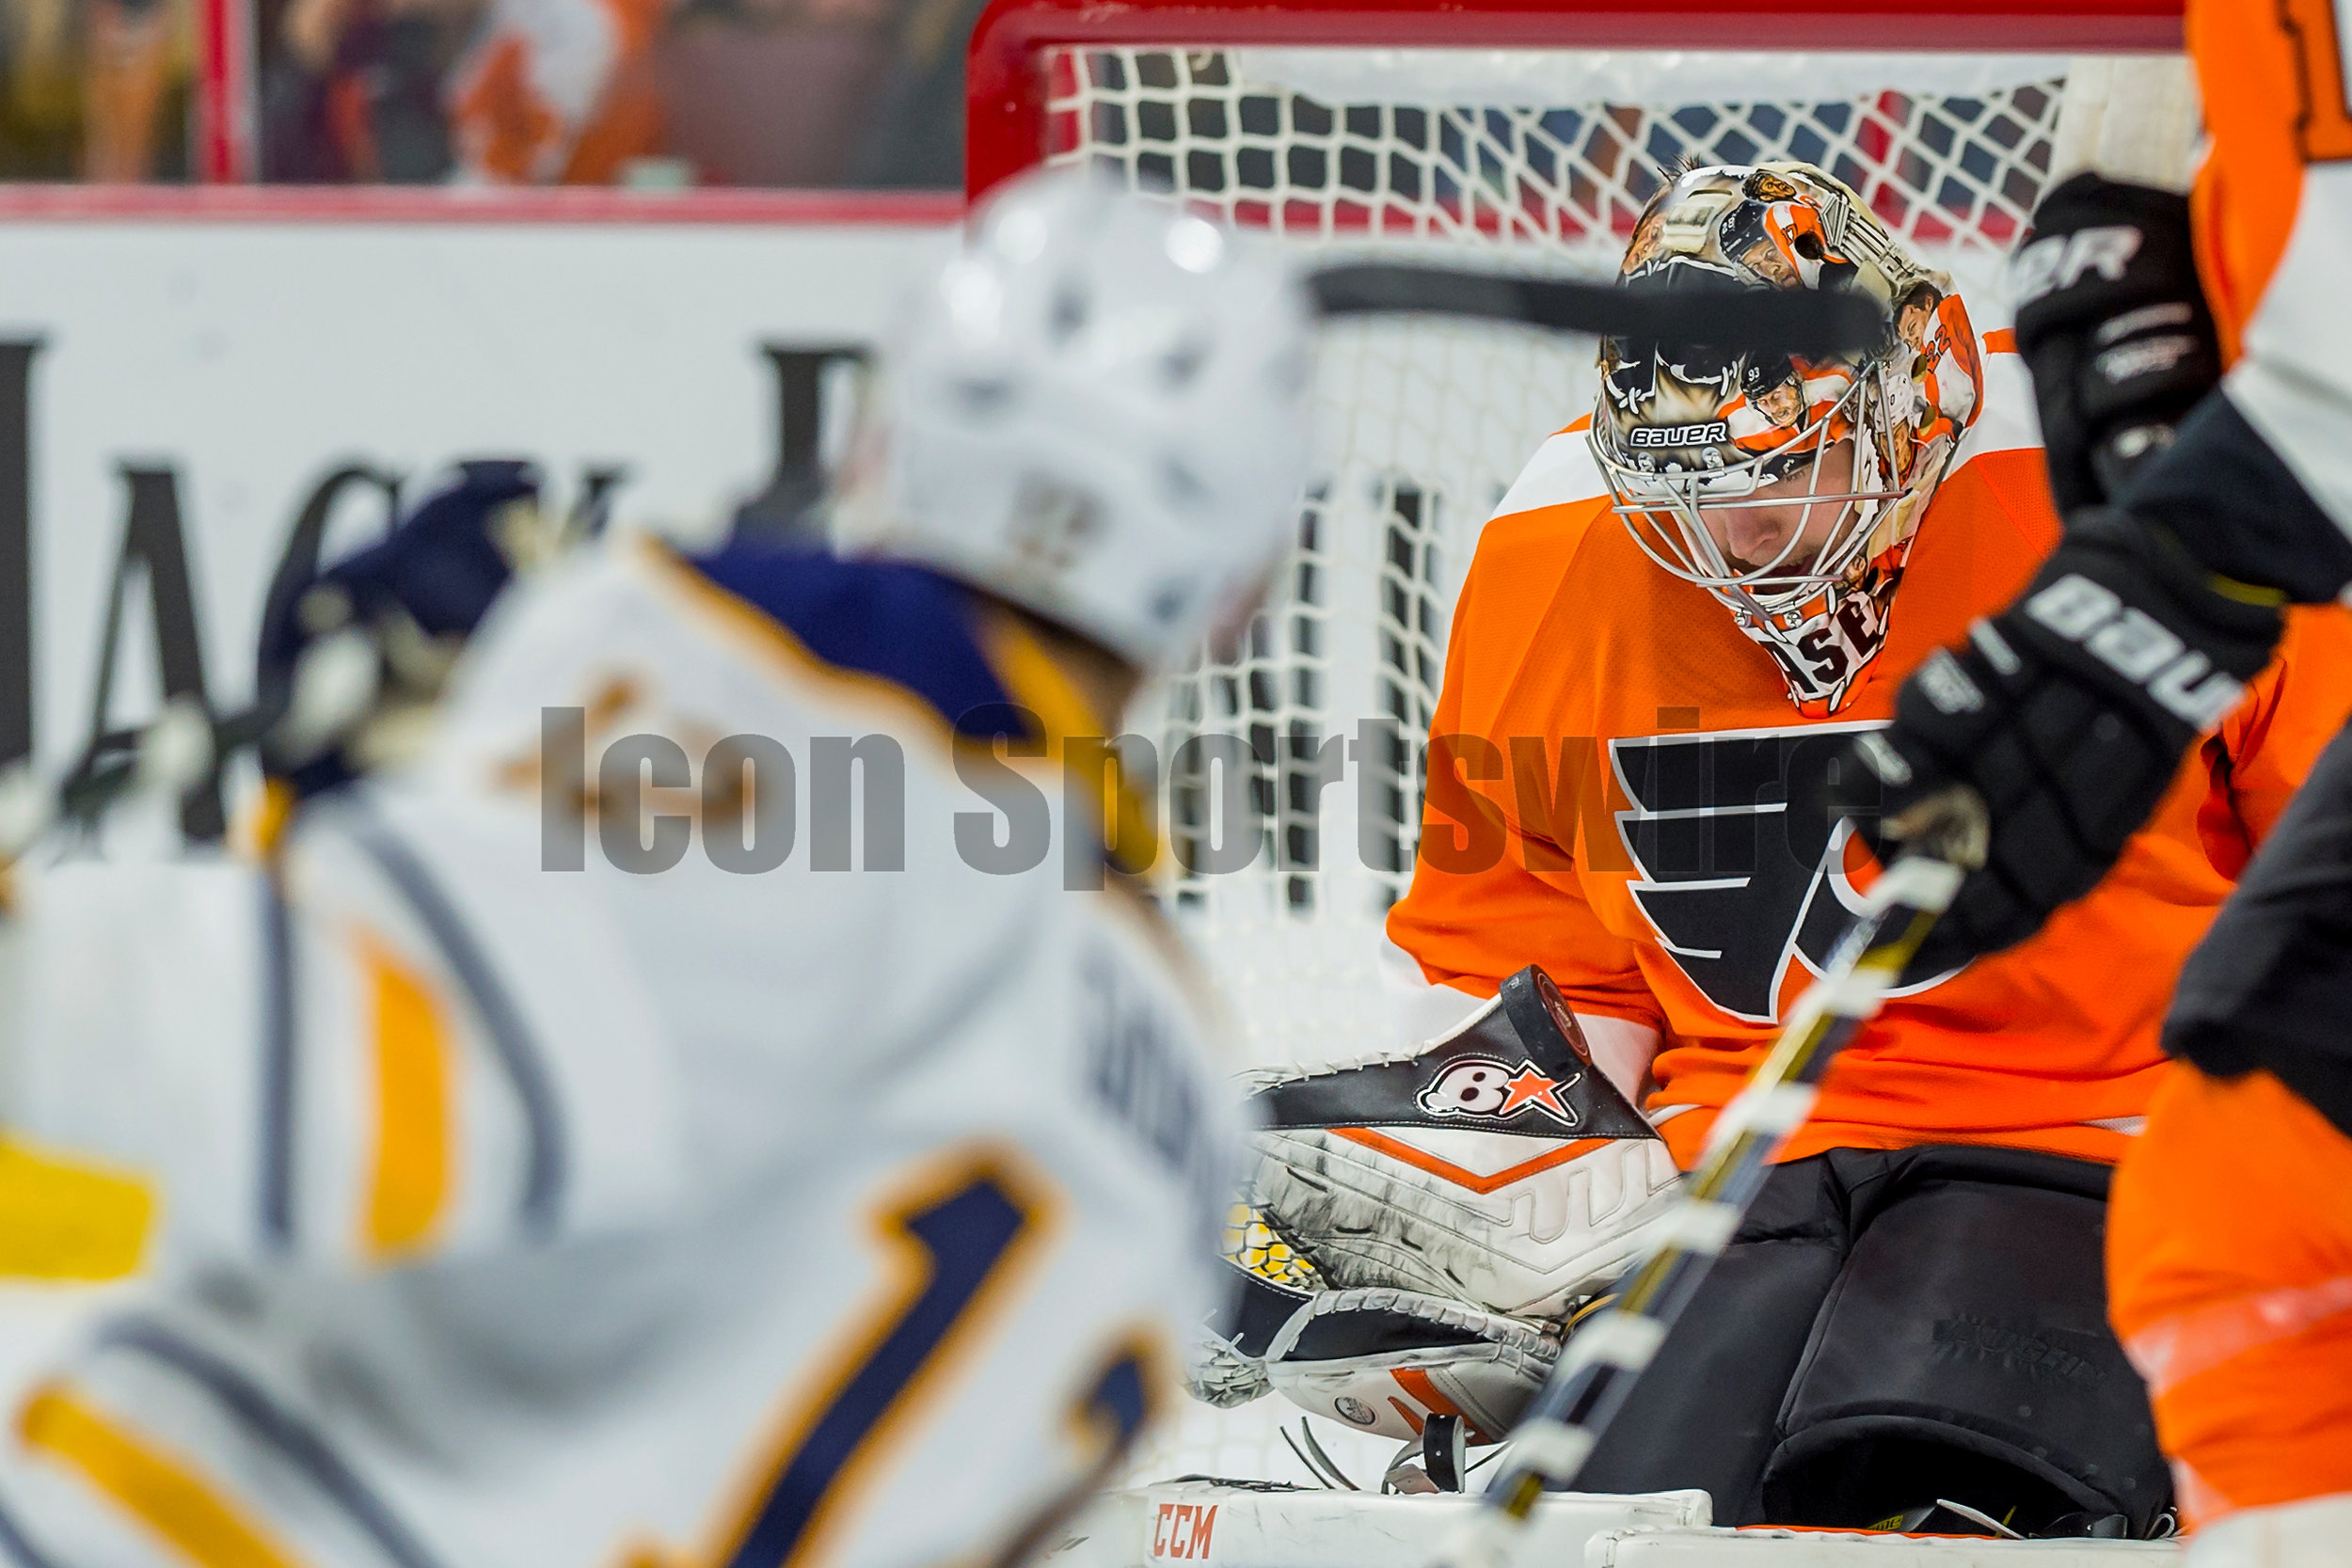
(1006,90)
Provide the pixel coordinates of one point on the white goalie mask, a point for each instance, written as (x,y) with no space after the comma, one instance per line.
(1097,409)
(1688,435)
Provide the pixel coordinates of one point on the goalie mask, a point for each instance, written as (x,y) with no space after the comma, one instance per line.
(1788,487)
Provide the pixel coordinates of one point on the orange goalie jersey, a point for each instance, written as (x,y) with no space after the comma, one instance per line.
(1621,790)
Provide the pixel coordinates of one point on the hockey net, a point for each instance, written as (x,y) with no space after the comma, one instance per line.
(1532,157)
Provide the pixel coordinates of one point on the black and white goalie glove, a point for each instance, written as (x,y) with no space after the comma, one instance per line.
(1267,1282)
(1415,1220)
(1496,1166)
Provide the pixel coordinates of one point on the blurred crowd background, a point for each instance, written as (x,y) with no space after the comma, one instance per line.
(663,93)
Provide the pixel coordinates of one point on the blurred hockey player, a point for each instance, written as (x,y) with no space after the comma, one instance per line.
(2201,501)
(1671,632)
(556,91)
(685,1203)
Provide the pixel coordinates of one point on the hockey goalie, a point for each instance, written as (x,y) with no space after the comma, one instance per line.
(528,1211)
(1686,608)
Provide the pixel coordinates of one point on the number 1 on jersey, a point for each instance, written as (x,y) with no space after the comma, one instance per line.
(2324,128)
(954,1243)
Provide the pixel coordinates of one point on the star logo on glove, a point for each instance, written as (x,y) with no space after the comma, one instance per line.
(1485,1087)
(1530,1089)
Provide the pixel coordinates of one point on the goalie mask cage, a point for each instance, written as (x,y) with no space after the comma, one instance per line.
(1483,131)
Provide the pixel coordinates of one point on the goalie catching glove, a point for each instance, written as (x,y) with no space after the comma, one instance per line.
(1385,1361)
(1442,1205)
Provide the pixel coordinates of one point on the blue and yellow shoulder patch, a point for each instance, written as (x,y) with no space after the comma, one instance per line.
(890,620)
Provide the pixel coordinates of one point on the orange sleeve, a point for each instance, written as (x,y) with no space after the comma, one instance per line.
(1473,929)
(2256,73)
(2263,751)
(2272,208)
(1492,893)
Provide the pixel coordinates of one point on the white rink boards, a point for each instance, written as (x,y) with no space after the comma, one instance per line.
(1836,1550)
(1775,1548)
(1199,1522)
(1218,1527)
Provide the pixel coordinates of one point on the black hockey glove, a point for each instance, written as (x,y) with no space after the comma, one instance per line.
(2068,714)
(2112,322)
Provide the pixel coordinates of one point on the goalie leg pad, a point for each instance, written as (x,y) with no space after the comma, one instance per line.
(1892,1327)
(1965,1354)
(1384,1361)
(1705,1411)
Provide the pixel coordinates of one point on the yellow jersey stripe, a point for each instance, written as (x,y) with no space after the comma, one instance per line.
(408,1189)
(150,1485)
(1033,680)
(68,1218)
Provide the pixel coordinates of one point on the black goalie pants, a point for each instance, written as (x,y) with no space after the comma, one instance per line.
(1889,1328)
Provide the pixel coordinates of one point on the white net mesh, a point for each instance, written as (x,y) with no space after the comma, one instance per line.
(1554,148)
(1532,158)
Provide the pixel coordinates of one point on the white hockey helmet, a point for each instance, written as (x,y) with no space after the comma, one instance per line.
(1097,409)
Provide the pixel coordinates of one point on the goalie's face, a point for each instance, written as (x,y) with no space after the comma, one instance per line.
(1764,493)
(1784,520)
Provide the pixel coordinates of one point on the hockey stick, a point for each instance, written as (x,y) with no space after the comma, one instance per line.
(333,683)
(1597,1370)
(1787,320)
(167,758)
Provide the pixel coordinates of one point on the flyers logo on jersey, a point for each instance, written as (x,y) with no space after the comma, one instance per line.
(1491,1089)
(1737,859)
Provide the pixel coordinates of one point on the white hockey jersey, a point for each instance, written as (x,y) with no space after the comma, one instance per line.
(635,1218)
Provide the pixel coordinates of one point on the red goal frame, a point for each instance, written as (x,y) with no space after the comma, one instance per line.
(1005,87)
